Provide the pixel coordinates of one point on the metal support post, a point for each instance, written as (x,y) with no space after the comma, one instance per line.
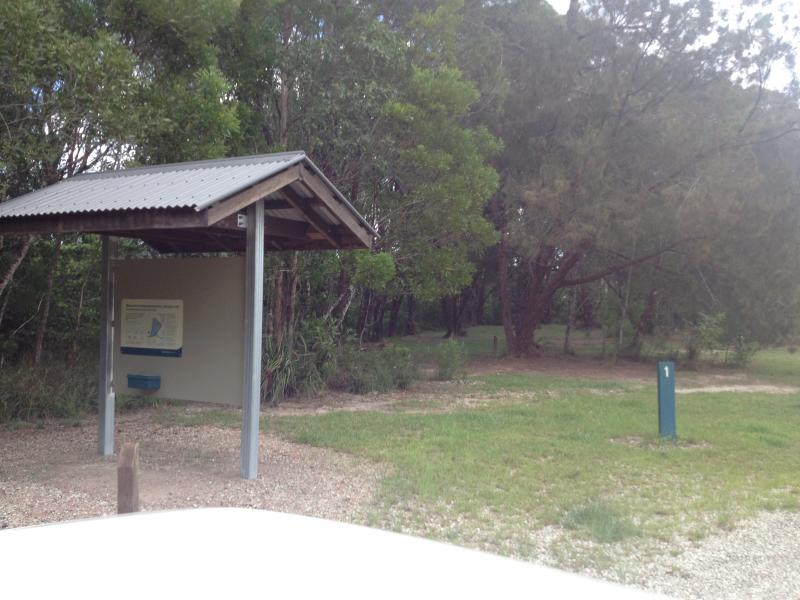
(106,398)
(253,322)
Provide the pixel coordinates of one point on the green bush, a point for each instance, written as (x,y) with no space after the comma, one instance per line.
(704,334)
(451,360)
(743,353)
(364,371)
(402,366)
(53,390)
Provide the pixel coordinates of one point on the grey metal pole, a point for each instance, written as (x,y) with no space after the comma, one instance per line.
(105,399)
(253,322)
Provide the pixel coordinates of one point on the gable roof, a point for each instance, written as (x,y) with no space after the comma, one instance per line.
(304,209)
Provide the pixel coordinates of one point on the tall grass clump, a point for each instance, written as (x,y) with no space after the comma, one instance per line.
(601,522)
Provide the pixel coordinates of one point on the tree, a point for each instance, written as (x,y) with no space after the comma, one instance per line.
(88,86)
(609,121)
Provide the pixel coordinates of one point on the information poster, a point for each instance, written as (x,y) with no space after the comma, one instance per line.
(151,327)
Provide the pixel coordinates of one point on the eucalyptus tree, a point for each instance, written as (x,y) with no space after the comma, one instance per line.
(609,120)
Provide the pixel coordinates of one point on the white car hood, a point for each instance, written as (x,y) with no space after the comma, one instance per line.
(244,553)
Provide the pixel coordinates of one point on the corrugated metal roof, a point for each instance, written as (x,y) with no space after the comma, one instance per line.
(194,185)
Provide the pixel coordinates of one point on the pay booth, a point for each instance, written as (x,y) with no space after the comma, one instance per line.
(190,328)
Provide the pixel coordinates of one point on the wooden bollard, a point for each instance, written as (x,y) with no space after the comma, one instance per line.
(495,345)
(128,479)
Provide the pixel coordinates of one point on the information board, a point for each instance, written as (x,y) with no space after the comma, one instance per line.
(209,321)
(151,327)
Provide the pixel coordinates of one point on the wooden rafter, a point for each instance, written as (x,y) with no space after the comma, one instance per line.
(312,217)
(321,190)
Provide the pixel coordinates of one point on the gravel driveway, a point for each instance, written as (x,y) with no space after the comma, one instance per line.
(54,474)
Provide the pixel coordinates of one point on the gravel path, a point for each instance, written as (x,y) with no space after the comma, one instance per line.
(53,474)
(758,559)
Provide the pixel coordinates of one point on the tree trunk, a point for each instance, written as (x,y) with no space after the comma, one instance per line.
(394,316)
(604,317)
(411,318)
(75,349)
(623,317)
(646,322)
(51,276)
(480,301)
(585,311)
(447,316)
(461,303)
(277,309)
(363,314)
(545,278)
(379,321)
(573,293)
(283,102)
(291,300)
(12,268)
(4,306)
(504,288)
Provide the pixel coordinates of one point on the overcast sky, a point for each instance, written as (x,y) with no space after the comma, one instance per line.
(780,76)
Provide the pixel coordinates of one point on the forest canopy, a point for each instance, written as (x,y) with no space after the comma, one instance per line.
(628,166)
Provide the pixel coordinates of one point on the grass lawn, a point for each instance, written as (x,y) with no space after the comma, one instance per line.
(776,365)
(579,454)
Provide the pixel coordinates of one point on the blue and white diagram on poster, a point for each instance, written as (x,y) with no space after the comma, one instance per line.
(151,327)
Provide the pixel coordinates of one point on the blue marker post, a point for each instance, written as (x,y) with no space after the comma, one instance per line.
(666,399)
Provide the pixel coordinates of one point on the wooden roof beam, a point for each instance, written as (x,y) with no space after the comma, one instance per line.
(321,190)
(273,226)
(233,204)
(107,222)
(302,204)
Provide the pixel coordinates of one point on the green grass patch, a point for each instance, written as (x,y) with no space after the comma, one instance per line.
(603,523)
(551,455)
(529,382)
(776,365)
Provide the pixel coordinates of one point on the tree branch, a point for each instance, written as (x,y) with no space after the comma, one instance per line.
(623,266)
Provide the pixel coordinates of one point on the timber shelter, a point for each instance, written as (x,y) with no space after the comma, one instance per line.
(245,205)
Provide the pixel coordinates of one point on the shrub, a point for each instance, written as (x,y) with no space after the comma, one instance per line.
(704,334)
(303,366)
(52,390)
(360,372)
(402,366)
(743,352)
(451,359)
(364,371)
